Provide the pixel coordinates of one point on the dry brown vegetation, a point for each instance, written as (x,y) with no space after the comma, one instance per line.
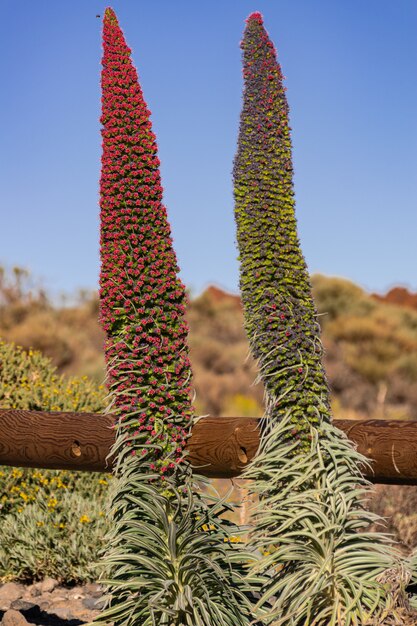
(370,344)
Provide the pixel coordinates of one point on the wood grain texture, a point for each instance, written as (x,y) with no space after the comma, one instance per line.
(219,447)
(58,440)
(391,445)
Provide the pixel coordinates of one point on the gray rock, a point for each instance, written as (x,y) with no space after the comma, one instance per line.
(63,612)
(76,596)
(75,605)
(22,605)
(77,593)
(58,597)
(91,603)
(48,585)
(35,589)
(9,593)
(13,618)
(94,590)
(80,612)
(32,591)
(85,615)
(45,598)
(82,602)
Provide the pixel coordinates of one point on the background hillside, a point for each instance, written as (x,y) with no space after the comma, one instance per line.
(370,343)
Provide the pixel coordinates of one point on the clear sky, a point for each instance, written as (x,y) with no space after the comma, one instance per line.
(351,68)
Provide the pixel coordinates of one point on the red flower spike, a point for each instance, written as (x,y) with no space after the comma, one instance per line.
(257,17)
(138,263)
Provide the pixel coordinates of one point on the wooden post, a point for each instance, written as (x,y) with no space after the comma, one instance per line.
(219,447)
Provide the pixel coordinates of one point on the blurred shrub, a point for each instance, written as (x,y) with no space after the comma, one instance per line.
(335,297)
(28,380)
(371,350)
(219,348)
(18,297)
(220,310)
(69,335)
(407,367)
(397,504)
(42,531)
(41,331)
(241,405)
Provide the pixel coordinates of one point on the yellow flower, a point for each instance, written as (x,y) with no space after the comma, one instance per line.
(60,525)
(208,527)
(84,519)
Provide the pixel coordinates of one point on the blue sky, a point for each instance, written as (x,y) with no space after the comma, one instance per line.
(350,66)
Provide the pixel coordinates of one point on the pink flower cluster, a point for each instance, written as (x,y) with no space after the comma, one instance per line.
(256,16)
(142,299)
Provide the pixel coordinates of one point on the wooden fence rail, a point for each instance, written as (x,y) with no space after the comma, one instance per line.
(219,446)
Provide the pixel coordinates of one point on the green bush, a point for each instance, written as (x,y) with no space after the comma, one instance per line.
(28,380)
(61,541)
(335,297)
(41,506)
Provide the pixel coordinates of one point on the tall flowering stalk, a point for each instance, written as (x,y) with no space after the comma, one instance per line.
(322,564)
(169,560)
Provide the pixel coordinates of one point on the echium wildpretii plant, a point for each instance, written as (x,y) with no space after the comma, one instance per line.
(169,561)
(310,527)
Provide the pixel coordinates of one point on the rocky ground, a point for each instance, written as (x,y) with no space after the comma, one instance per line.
(48,604)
